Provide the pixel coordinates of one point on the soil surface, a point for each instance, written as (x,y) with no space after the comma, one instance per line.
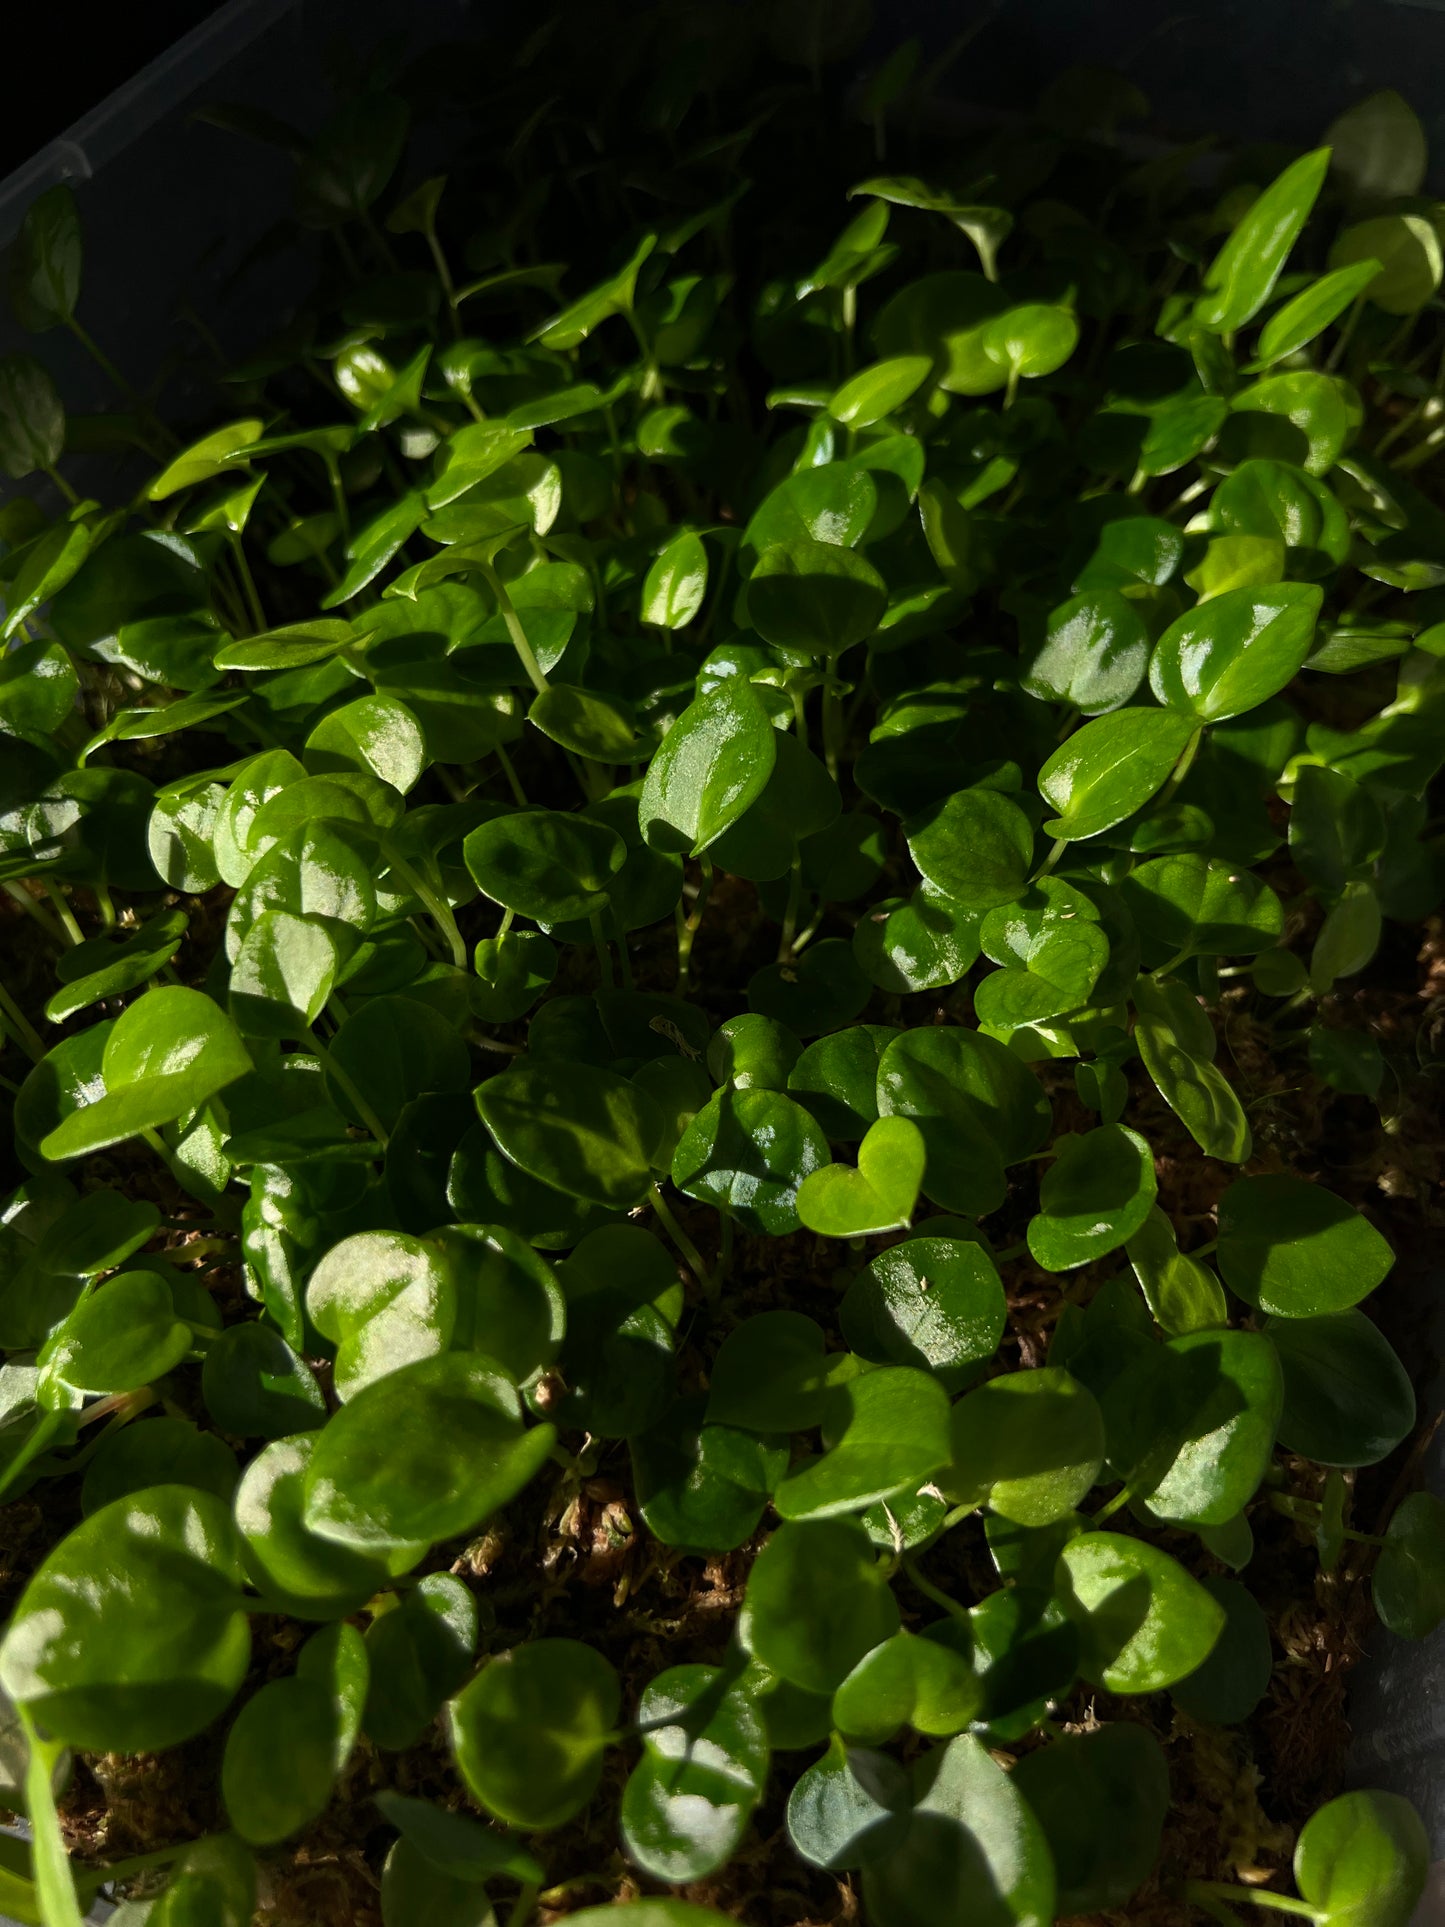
(568,1558)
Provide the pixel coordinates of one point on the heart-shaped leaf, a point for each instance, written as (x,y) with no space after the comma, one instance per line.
(878,1196)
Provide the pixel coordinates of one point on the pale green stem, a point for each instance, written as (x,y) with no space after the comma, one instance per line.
(338,493)
(619,937)
(1106,1511)
(1050,860)
(248,584)
(1342,340)
(1180,771)
(790,914)
(1204,1890)
(687,926)
(519,795)
(691,1255)
(832,716)
(525,1905)
(514,629)
(437,906)
(347,1084)
(60,482)
(63,911)
(41,915)
(604,955)
(25,1033)
(929,1590)
(59,1906)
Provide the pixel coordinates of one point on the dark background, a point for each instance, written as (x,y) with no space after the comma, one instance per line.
(1259,69)
(75,56)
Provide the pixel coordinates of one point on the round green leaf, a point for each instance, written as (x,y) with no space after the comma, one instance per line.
(1409,1579)
(1023,1646)
(1110,768)
(132,1635)
(1194,905)
(821,991)
(1031,340)
(883,1431)
(508,1300)
(817,1601)
(283,975)
(975,848)
(279,1762)
(454,1843)
(1235,651)
(877,390)
(1225,1690)
(701,1486)
(1094,653)
(415,1892)
(378,734)
(832,503)
(907,1681)
(1094,1197)
(800,800)
(383,1299)
(936,1303)
(748,1152)
(815,596)
(1407,249)
(978,1105)
(714,761)
(32,420)
(586,721)
(291,1566)
(1295,1250)
(531,1729)
(703,1769)
(158,1451)
(1192,1424)
(255,1386)
(754,1052)
(419,1654)
(770,1374)
(123,1335)
(1363,1860)
(848,1808)
(545,864)
(584,1131)
(1182,1292)
(922,942)
(676,583)
(1102,1799)
(1348,1400)
(1143,1622)
(167,1053)
(1028,1445)
(973,1850)
(836,1079)
(426,1452)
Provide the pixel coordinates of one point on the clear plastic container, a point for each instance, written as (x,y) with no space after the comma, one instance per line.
(172,209)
